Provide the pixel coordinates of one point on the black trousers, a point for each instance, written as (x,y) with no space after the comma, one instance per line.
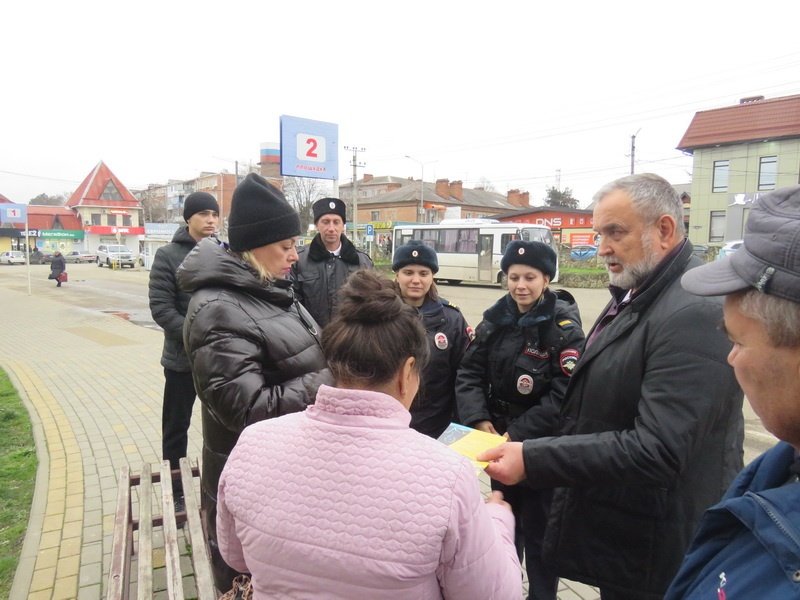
(531,508)
(176,415)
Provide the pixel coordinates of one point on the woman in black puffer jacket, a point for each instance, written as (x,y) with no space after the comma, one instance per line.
(254,350)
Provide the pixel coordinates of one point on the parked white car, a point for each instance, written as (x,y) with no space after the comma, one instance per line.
(115,255)
(729,248)
(12,257)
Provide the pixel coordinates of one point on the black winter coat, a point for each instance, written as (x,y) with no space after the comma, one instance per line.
(317,275)
(517,369)
(652,436)
(434,407)
(57,266)
(254,352)
(168,303)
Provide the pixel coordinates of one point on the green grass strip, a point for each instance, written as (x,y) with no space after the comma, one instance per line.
(17,478)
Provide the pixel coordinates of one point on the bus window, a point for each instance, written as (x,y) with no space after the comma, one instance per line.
(467,241)
(530,234)
(507,238)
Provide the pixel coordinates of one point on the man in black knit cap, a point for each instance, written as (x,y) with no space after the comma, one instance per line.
(325,264)
(168,307)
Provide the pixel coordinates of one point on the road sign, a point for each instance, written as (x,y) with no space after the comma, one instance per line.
(309,148)
(370,231)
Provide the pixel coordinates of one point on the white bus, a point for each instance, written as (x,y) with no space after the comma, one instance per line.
(471,249)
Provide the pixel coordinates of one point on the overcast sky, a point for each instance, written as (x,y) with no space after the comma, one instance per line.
(507,92)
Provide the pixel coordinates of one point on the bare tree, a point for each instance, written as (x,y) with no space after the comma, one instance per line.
(485,184)
(45,200)
(302,192)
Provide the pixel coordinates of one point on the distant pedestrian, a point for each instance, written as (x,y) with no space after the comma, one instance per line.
(323,265)
(434,408)
(168,306)
(57,267)
(254,350)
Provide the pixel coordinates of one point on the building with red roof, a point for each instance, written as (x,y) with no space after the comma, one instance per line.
(108,211)
(739,152)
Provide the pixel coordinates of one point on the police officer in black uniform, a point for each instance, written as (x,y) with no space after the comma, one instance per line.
(513,377)
(434,408)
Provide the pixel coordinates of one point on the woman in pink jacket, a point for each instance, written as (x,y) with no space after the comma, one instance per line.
(346,501)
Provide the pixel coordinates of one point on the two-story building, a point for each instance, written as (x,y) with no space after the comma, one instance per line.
(739,152)
(110,214)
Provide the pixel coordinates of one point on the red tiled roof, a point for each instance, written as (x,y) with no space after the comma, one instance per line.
(5,200)
(752,121)
(44,217)
(91,189)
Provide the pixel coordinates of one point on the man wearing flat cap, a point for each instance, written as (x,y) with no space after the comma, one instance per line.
(325,264)
(748,545)
(168,306)
(651,427)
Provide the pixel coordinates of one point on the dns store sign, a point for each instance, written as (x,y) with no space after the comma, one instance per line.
(309,148)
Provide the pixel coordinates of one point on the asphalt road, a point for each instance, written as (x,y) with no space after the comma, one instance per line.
(123,293)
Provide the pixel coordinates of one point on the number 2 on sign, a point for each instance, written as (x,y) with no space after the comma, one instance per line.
(310,147)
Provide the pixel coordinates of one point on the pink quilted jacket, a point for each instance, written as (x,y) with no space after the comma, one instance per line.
(345,501)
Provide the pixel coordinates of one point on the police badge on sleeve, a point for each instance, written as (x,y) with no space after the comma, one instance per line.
(567,360)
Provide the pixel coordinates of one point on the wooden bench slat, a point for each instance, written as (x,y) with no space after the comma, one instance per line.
(121,544)
(200,555)
(174,581)
(123,551)
(145,554)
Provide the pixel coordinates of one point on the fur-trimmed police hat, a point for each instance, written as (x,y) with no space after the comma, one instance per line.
(415,252)
(533,254)
(260,215)
(329,206)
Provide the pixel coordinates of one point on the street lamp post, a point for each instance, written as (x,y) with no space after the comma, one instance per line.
(421,209)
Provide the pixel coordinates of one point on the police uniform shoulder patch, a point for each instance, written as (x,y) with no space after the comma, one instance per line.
(449,304)
(566,323)
(567,360)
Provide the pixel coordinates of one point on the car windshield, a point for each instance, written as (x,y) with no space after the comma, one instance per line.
(118,249)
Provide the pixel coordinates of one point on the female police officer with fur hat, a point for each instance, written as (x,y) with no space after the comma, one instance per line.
(433,409)
(513,377)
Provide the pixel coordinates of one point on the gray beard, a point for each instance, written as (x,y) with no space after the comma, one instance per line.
(633,276)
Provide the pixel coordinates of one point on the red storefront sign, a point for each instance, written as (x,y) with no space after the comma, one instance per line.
(109,230)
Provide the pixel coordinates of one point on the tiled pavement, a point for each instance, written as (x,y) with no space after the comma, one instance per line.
(92,383)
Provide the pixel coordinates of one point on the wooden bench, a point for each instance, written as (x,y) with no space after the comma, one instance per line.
(124,550)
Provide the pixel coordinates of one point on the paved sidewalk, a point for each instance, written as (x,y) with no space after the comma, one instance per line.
(93,386)
(92,383)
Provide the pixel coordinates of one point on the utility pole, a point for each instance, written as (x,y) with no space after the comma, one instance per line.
(355,164)
(633,148)
(558,179)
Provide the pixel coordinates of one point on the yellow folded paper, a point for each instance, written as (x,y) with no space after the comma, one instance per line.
(470,442)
